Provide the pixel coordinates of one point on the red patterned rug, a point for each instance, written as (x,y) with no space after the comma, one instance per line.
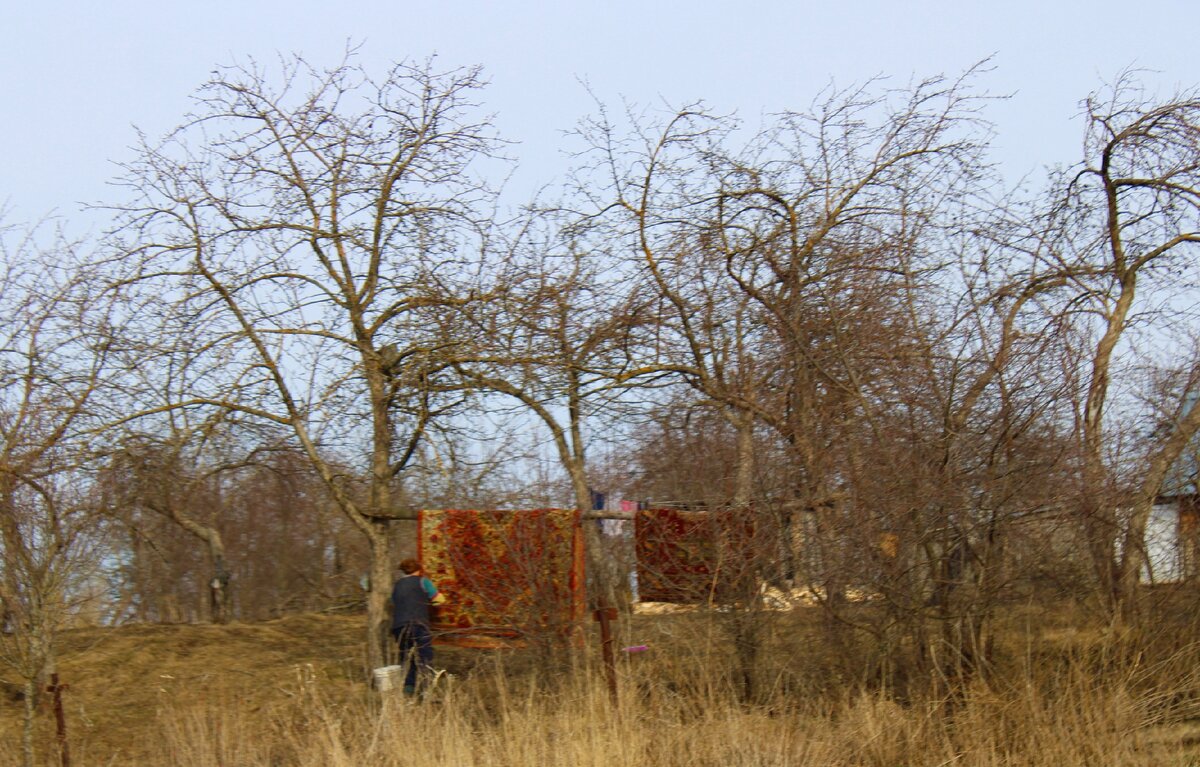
(693,557)
(506,575)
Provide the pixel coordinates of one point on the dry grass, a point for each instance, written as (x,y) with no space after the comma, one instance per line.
(287,692)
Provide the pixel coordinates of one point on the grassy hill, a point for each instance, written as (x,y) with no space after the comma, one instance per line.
(125,683)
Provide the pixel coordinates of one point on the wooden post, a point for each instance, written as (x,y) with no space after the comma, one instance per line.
(605,615)
(60,719)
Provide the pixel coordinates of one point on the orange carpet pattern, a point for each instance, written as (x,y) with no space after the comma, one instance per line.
(506,575)
(693,557)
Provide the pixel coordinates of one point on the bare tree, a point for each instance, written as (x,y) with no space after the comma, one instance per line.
(1126,221)
(707,335)
(557,343)
(312,225)
(834,281)
(53,354)
(174,479)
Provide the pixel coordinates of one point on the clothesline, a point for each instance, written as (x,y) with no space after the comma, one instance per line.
(412,514)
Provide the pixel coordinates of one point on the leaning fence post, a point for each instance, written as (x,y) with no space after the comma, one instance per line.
(605,615)
(60,719)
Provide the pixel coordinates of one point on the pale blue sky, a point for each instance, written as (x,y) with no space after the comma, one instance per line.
(78,75)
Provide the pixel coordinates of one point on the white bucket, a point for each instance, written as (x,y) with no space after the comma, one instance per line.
(389,678)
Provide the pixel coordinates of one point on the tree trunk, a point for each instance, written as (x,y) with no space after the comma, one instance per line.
(27,726)
(601,569)
(378,593)
(1133,553)
(1100,511)
(218,584)
(218,587)
(743,490)
(1100,529)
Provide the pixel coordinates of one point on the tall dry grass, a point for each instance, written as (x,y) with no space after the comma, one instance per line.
(1071,719)
(1061,695)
